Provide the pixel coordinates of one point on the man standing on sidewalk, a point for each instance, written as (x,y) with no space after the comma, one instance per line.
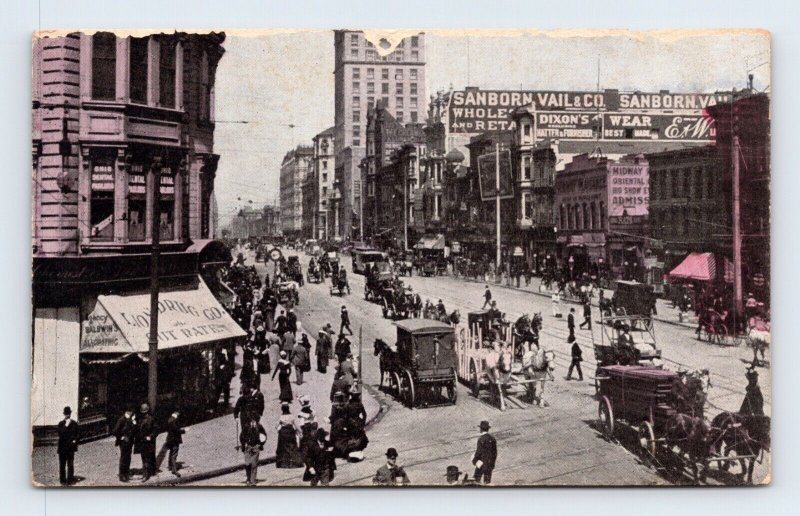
(252,444)
(145,444)
(571,322)
(125,432)
(172,443)
(67,446)
(487,297)
(299,359)
(250,405)
(345,321)
(587,315)
(577,358)
(485,455)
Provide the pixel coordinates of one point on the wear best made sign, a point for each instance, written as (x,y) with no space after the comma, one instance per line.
(628,192)
(608,115)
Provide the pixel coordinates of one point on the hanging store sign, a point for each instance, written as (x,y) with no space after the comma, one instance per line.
(487,166)
(628,191)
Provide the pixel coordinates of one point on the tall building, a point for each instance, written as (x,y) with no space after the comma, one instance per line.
(296,165)
(123,141)
(324,179)
(362,77)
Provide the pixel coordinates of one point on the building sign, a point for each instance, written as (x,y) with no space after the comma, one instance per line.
(628,192)
(121,324)
(488,175)
(579,115)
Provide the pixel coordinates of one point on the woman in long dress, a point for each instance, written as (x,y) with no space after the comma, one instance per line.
(287,454)
(284,370)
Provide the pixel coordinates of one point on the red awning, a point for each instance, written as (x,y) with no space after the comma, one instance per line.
(696,266)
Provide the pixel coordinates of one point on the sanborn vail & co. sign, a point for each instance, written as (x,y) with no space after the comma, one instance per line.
(581,115)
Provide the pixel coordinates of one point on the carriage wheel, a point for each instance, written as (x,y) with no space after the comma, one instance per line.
(605,416)
(452,390)
(475,382)
(409,390)
(394,384)
(647,440)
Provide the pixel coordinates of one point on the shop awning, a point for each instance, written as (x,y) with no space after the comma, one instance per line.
(120,324)
(696,266)
(430,242)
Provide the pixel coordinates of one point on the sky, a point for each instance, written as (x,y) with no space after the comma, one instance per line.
(268,82)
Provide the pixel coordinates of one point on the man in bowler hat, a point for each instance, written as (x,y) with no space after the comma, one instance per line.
(390,474)
(485,454)
(67,446)
(125,433)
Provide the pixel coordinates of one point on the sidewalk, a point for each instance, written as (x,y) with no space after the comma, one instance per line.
(666,313)
(208,448)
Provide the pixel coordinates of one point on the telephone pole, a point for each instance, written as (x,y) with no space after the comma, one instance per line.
(155,251)
(737,230)
(497,202)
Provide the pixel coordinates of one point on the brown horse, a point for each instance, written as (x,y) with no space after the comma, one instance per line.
(690,435)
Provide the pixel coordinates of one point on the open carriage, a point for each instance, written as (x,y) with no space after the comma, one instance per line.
(287,293)
(314,273)
(498,367)
(379,278)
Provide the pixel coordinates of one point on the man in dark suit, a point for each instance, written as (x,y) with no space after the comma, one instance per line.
(67,446)
(345,321)
(485,455)
(587,315)
(571,322)
(577,358)
(250,404)
(125,433)
(145,444)
(391,473)
(172,443)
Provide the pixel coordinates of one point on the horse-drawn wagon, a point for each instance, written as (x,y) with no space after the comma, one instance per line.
(287,293)
(666,411)
(339,283)
(314,273)
(488,359)
(422,370)
(379,277)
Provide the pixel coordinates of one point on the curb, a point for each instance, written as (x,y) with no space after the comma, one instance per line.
(383,409)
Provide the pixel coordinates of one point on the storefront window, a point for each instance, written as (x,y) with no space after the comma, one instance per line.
(102,200)
(136,203)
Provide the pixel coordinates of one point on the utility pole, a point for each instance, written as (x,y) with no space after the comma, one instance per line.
(737,230)
(497,203)
(405,206)
(155,251)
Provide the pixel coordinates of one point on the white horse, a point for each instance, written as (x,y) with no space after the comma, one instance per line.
(538,368)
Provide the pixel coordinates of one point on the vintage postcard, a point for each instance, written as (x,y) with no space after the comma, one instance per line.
(400,257)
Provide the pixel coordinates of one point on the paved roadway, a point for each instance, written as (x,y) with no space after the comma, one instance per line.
(556,445)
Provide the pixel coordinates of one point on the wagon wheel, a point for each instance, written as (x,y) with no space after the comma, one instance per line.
(394,384)
(409,390)
(475,382)
(647,440)
(605,416)
(452,390)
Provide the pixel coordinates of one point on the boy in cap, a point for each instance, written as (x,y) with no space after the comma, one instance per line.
(485,454)
(390,474)
(67,446)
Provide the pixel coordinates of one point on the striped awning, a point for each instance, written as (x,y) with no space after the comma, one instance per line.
(696,266)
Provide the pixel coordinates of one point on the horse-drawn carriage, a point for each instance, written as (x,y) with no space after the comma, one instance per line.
(665,409)
(625,340)
(379,277)
(287,293)
(339,283)
(398,302)
(294,270)
(314,273)
(422,370)
(493,360)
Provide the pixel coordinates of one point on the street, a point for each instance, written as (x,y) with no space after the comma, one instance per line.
(555,445)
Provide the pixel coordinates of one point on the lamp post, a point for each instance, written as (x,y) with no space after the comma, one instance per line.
(155,251)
